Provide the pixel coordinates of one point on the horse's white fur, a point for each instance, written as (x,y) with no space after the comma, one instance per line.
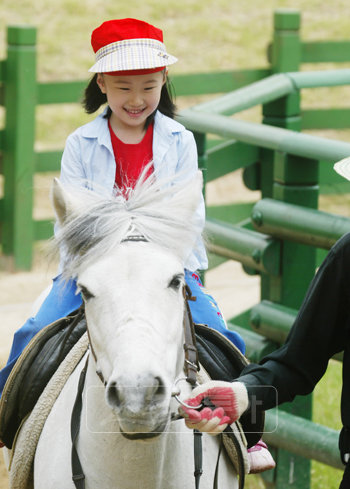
(97,223)
(135,322)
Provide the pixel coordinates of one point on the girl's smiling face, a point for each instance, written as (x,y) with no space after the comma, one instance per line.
(131,98)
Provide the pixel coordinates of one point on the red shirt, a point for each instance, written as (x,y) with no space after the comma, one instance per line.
(131,159)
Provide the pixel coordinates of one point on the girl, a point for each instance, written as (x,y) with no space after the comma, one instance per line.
(130,74)
(137,127)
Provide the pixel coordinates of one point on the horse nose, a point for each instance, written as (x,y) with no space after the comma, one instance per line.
(112,394)
(135,395)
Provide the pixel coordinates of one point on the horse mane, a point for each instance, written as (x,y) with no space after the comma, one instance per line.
(157,209)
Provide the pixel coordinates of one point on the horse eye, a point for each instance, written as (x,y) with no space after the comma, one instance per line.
(176,282)
(85,293)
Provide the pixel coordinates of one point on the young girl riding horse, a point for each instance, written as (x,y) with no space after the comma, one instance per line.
(136,128)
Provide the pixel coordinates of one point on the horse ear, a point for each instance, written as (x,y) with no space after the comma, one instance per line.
(62,201)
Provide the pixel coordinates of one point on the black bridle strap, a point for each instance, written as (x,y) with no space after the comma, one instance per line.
(198,457)
(78,476)
(191,366)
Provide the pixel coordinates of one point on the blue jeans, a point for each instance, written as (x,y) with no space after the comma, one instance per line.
(63,300)
(205,310)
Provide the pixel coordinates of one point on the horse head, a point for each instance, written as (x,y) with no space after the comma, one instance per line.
(128,256)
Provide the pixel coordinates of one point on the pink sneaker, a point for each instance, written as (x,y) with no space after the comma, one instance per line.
(260,458)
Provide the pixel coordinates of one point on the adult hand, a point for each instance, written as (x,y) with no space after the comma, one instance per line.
(229,401)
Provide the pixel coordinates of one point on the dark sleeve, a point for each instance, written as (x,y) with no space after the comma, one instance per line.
(320,330)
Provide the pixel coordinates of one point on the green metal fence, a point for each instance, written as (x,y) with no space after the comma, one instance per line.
(276,237)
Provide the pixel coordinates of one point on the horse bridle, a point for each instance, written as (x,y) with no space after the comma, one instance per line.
(191,367)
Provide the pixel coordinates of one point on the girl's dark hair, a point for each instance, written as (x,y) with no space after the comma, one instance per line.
(94,98)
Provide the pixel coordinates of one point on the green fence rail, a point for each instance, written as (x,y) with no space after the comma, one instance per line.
(252,249)
(296,223)
(264,136)
(268,238)
(303,437)
(271,88)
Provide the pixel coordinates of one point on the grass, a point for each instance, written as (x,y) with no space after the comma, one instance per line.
(327,412)
(205,36)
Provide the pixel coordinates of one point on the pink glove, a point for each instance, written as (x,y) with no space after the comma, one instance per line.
(230,399)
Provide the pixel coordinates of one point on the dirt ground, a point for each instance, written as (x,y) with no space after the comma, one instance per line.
(232,288)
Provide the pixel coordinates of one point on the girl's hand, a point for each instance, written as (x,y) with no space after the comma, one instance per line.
(227,401)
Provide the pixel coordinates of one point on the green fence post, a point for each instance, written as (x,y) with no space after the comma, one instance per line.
(285,55)
(286,45)
(295,181)
(283,112)
(19,134)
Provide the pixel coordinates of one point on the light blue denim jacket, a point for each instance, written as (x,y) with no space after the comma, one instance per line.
(88,156)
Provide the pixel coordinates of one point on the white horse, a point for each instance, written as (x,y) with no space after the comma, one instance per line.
(128,259)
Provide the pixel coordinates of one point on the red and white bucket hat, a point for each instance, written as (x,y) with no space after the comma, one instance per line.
(125,46)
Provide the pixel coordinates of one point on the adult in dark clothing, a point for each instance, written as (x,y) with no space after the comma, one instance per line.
(321,329)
